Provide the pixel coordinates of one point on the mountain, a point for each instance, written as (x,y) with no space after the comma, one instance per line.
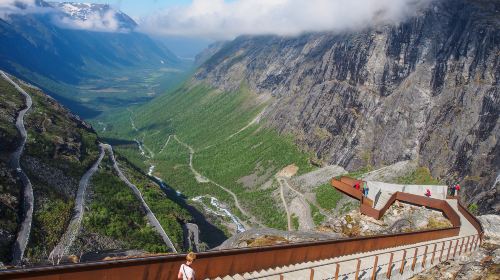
(77,52)
(85,11)
(425,90)
(422,94)
(68,169)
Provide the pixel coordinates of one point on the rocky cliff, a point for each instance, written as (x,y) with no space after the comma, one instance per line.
(426,90)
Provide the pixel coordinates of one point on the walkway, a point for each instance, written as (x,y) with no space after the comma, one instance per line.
(28,199)
(406,262)
(327,269)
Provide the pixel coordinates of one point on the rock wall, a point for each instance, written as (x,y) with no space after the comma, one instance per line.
(425,89)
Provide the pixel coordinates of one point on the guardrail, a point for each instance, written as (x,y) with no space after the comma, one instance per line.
(238,261)
(228,262)
(346,184)
(471,218)
(368,210)
(404,264)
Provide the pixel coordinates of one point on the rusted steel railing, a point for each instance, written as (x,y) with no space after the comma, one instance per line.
(228,262)
(471,218)
(345,184)
(396,265)
(428,202)
(238,261)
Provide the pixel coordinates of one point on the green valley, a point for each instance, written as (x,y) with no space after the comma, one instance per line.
(230,147)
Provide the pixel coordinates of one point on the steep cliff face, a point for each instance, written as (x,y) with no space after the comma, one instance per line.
(426,89)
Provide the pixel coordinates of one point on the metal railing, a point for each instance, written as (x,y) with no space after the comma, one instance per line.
(238,261)
(450,249)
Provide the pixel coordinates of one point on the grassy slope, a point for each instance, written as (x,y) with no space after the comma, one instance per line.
(166,211)
(205,118)
(115,212)
(421,176)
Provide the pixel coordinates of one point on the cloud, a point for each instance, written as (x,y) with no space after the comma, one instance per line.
(10,7)
(101,22)
(66,15)
(219,19)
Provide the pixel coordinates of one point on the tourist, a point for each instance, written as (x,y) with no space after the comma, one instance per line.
(452,191)
(457,188)
(356,186)
(428,193)
(185,271)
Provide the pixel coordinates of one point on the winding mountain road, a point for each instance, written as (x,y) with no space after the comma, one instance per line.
(149,214)
(62,248)
(202,179)
(15,162)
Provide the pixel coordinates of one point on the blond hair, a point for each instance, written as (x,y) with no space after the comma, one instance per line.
(191,257)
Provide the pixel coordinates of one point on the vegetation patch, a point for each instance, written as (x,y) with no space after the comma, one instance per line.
(295,222)
(421,176)
(168,213)
(115,212)
(327,196)
(318,218)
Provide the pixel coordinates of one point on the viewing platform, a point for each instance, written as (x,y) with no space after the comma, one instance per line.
(389,256)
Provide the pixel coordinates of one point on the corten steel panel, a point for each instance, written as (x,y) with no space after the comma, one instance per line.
(229,262)
(350,181)
(347,188)
(369,211)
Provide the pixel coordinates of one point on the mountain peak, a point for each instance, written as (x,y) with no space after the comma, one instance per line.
(86,11)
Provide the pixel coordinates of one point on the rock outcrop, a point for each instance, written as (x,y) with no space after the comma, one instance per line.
(491,225)
(265,237)
(424,90)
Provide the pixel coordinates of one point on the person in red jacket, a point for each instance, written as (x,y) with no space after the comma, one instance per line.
(457,188)
(428,193)
(356,186)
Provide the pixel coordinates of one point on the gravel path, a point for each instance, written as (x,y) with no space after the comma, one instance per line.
(28,199)
(62,248)
(150,215)
(300,207)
